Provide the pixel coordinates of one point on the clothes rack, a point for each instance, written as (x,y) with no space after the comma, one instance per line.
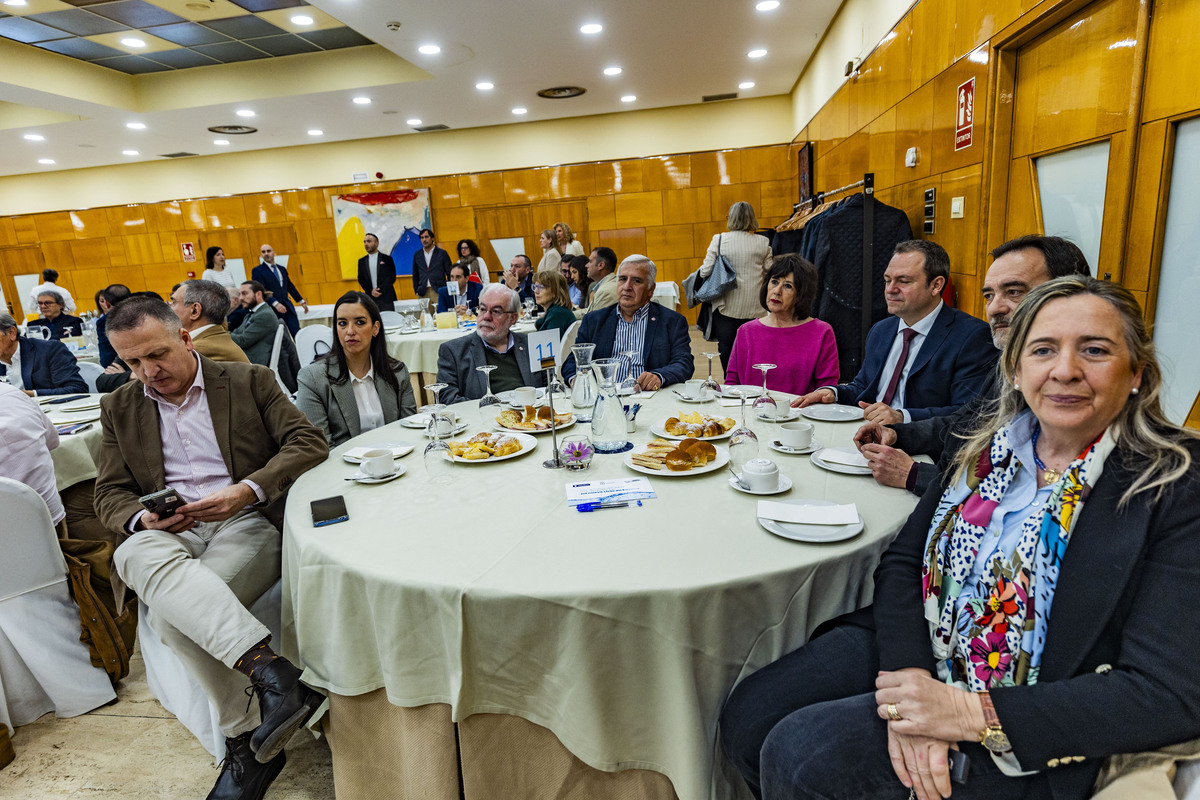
(868,186)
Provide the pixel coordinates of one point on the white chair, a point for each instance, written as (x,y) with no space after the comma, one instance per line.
(276,348)
(391,319)
(90,372)
(178,691)
(564,349)
(43,665)
(312,342)
(410,305)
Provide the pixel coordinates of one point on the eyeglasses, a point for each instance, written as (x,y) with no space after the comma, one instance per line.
(47,303)
(494,311)
(539,286)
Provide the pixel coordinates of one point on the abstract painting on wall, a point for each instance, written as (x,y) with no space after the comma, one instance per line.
(396,217)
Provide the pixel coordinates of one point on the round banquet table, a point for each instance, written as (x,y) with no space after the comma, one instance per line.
(75,457)
(419,351)
(620,633)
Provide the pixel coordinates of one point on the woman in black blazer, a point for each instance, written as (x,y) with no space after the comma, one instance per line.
(1037,614)
(357,386)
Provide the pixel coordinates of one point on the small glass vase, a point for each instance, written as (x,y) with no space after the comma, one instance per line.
(576,452)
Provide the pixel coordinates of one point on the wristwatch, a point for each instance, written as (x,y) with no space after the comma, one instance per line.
(992,736)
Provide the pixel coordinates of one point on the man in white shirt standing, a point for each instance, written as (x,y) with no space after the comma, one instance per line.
(49,277)
(377,274)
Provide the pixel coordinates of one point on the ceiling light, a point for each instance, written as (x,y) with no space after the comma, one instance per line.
(519,110)
(301,19)
(220,142)
(746,85)
(316,132)
(485,86)
(130,153)
(136,126)
(429,49)
(245,112)
(759,53)
(45,160)
(35,137)
(363,101)
(629,98)
(591,28)
(413,121)
(767,5)
(129,41)
(14,2)
(612,70)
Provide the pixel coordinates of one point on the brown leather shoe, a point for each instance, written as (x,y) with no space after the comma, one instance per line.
(243,778)
(284,705)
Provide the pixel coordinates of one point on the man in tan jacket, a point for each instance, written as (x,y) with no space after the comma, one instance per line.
(202,307)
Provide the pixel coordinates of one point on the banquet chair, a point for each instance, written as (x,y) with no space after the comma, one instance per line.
(564,350)
(175,688)
(391,319)
(312,342)
(90,372)
(276,349)
(410,305)
(43,665)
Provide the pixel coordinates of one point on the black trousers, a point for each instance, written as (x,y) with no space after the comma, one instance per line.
(725,329)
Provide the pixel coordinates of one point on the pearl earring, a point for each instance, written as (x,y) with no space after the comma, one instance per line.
(1016,386)
(1134,390)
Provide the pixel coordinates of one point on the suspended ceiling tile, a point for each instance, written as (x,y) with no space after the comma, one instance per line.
(336,38)
(244,27)
(153,44)
(283,18)
(28,31)
(78,22)
(182,58)
(37,7)
(187,34)
(283,45)
(80,48)
(136,14)
(133,65)
(267,5)
(230,52)
(200,11)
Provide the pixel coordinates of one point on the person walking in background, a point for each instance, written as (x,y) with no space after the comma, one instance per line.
(749,255)
(275,281)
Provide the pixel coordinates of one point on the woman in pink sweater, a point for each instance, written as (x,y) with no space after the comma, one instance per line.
(802,348)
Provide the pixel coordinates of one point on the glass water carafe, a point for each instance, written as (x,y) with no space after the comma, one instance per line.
(583,392)
(608,415)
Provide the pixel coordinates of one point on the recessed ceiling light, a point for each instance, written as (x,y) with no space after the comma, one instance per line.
(362,101)
(759,53)
(35,137)
(413,121)
(130,153)
(136,126)
(45,160)
(612,70)
(519,110)
(429,49)
(220,142)
(14,2)
(245,112)
(485,86)
(746,85)
(591,28)
(767,5)
(316,132)
(629,98)
(129,41)
(301,19)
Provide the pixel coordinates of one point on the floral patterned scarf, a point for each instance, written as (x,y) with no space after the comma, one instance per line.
(995,636)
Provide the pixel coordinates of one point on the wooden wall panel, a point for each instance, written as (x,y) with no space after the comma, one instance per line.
(482,189)
(573,180)
(8,232)
(225,212)
(90,223)
(1172,69)
(639,208)
(526,185)
(687,205)
(722,167)
(1148,193)
(266,208)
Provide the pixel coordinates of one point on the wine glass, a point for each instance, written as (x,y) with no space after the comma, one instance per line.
(437,458)
(743,443)
(528,304)
(765,406)
(711,389)
(489,402)
(629,385)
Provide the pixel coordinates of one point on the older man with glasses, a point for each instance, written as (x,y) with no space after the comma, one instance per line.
(55,318)
(492,344)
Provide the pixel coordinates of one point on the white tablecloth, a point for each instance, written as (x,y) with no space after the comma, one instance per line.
(419,351)
(76,455)
(622,631)
(322,314)
(666,293)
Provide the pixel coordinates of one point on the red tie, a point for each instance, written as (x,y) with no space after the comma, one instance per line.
(894,383)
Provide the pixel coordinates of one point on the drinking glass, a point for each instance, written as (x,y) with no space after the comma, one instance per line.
(765,406)
(711,389)
(629,385)
(489,403)
(438,462)
(528,305)
(743,443)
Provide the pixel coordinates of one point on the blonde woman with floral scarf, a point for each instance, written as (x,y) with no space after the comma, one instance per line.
(1036,615)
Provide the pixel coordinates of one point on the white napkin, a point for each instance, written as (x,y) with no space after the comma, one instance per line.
(732,402)
(840,455)
(808,515)
(636,396)
(398,449)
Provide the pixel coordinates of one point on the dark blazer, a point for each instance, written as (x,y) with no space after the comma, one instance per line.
(263,438)
(445,303)
(458,358)
(256,335)
(952,366)
(385,279)
(667,350)
(48,367)
(1113,676)
(279,293)
(107,354)
(435,275)
(63,325)
(333,409)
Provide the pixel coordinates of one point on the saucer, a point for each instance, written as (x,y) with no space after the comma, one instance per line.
(785,483)
(779,447)
(789,415)
(358,477)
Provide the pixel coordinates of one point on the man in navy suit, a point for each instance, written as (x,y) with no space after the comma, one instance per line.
(377,274)
(36,366)
(468,292)
(658,334)
(430,267)
(275,280)
(927,359)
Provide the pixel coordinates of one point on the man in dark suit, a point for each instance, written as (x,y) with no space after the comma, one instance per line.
(927,359)
(519,277)
(274,279)
(1018,266)
(37,366)
(54,318)
(658,334)
(430,267)
(492,343)
(468,291)
(377,274)
(256,335)
(230,444)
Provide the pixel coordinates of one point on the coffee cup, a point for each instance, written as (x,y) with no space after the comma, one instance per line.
(525,395)
(695,388)
(796,435)
(377,463)
(760,474)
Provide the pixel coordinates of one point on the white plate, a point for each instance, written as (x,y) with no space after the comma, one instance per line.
(750,392)
(845,469)
(421,421)
(526,441)
(560,427)
(779,447)
(718,463)
(86,404)
(659,430)
(812,533)
(687,398)
(62,418)
(785,483)
(358,477)
(399,450)
(832,412)
(785,414)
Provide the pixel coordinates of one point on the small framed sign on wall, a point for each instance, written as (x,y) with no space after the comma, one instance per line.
(805,162)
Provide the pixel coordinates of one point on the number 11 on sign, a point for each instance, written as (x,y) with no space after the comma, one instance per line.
(543,349)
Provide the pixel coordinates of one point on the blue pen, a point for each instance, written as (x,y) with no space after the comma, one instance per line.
(602,505)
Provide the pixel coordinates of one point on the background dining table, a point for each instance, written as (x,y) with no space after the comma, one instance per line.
(76,455)
(585,650)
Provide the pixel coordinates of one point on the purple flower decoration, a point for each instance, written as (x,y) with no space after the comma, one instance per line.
(990,656)
(577,453)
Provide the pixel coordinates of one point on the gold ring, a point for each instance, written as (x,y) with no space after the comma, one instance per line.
(893,713)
